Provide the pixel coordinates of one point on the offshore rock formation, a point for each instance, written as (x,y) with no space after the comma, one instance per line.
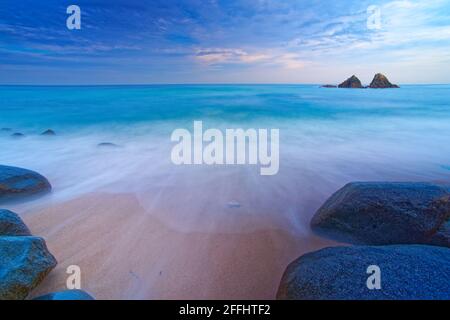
(353,83)
(380,81)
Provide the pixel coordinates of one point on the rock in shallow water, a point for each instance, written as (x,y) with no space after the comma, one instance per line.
(386,213)
(48,132)
(107,145)
(407,272)
(17,135)
(16,183)
(24,262)
(12,225)
(67,295)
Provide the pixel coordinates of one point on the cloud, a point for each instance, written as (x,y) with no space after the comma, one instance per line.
(220,56)
(404,23)
(226,56)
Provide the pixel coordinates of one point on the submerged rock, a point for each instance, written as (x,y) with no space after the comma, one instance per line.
(386,213)
(408,272)
(67,295)
(6,129)
(352,82)
(108,145)
(48,132)
(12,225)
(24,262)
(17,183)
(380,81)
(17,135)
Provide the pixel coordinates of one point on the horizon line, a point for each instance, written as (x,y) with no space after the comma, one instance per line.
(189,83)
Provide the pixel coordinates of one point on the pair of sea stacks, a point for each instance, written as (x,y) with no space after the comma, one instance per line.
(380,81)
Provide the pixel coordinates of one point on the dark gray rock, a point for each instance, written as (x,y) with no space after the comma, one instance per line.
(352,83)
(48,132)
(12,225)
(329,86)
(24,262)
(408,272)
(386,213)
(17,183)
(380,81)
(67,295)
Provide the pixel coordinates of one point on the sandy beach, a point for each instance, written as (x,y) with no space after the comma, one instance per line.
(125,252)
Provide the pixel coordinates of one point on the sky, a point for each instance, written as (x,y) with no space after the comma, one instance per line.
(224,41)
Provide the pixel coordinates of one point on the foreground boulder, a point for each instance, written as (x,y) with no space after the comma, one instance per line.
(18,183)
(408,272)
(67,295)
(353,82)
(24,262)
(380,81)
(12,225)
(386,213)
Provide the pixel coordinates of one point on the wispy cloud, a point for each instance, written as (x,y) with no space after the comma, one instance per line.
(240,56)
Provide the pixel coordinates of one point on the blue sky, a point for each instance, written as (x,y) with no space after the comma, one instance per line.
(223,41)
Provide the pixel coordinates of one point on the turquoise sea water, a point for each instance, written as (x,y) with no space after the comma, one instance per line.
(328,137)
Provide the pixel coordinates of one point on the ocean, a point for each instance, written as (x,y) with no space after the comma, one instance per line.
(328,137)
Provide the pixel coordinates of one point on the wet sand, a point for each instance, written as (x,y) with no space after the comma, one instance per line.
(126,252)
